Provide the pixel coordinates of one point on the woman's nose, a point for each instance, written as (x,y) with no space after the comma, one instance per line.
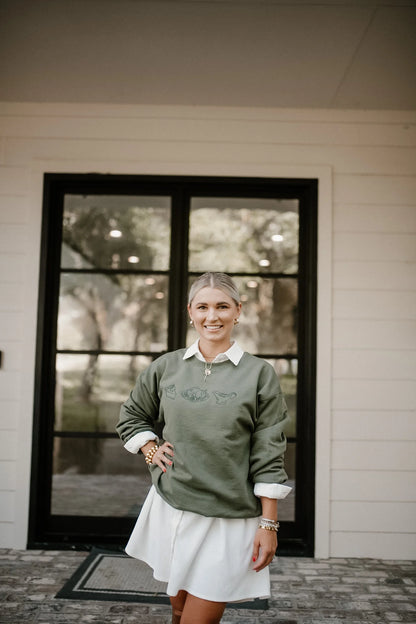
(212,313)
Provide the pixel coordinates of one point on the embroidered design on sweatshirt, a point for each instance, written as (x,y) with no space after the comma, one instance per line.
(195,394)
(170,391)
(221,398)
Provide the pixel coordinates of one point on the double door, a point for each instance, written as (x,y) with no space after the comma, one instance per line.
(118,256)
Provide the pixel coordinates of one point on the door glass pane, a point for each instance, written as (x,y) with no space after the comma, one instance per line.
(97,477)
(90,389)
(244,235)
(113,312)
(286,506)
(259,237)
(286,370)
(116,232)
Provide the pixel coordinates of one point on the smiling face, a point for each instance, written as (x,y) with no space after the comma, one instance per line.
(213,313)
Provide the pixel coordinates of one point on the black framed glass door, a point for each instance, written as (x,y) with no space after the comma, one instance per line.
(118,254)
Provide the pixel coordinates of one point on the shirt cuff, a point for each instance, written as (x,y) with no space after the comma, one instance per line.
(271,490)
(140,439)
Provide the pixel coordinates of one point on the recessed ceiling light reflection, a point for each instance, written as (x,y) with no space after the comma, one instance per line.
(264,262)
(277,238)
(133,259)
(116,233)
(252,284)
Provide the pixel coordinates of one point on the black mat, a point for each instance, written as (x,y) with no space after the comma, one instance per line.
(107,575)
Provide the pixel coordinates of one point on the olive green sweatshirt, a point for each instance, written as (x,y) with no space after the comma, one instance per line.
(226,429)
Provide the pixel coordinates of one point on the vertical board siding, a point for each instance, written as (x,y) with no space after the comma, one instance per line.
(371,155)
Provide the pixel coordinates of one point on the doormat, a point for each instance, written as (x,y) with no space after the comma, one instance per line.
(115,576)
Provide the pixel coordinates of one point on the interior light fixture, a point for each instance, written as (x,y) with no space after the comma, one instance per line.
(264,262)
(252,284)
(116,233)
(149,281)
(277,238)
(133,259)
(160,295)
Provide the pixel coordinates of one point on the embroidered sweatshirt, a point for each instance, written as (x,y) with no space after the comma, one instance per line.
(226,430)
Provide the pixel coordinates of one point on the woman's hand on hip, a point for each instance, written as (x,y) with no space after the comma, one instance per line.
(264,548)
(163,456)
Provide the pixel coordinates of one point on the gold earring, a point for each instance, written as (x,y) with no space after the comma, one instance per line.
(236,321)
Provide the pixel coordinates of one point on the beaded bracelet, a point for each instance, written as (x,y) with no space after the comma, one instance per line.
(148,458)
(269,525)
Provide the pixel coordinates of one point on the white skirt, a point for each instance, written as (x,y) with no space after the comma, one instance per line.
(211,558)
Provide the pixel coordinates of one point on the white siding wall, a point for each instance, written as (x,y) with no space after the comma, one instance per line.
(366,164)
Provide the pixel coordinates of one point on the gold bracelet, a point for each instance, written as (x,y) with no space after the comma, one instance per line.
(148,458)
(269,525)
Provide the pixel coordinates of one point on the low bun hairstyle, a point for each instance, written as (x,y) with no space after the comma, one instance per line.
(222,281)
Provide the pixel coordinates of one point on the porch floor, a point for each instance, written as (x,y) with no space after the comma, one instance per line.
(304,591)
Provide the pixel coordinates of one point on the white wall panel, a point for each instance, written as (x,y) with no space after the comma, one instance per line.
(373,516)
(357,544)
(19,151)
(6,534)
(11,296)
(373,394)
(9,413)
(375,275)
(7,476)
(12,268)
(374,455)
(366,334)
(10,386)
(354,189)
(377,218)
(374,364)
(372,247)
(13,238)
(11,324)
(378,425)
(374,304)
(7,506)
(13,209)
(154,123)
(373,485)
(8,444)
(12,354)
(13,180)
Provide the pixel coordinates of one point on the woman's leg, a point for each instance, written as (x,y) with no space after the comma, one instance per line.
(177,603)
(201,611)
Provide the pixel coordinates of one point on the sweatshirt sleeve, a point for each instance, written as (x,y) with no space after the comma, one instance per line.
(140,413)
(268,442)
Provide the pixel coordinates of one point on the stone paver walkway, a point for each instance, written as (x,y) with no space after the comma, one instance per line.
(305,591)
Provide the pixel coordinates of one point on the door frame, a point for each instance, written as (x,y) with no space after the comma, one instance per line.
(45,361)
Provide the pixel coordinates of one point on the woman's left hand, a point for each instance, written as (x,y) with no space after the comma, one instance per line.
(264,549)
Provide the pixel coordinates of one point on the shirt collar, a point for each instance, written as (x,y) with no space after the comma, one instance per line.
(234,353)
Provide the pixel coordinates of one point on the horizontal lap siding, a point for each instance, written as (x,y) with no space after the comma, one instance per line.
(373,485)
(372,156)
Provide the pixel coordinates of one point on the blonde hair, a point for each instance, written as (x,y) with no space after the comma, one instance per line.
(222,281)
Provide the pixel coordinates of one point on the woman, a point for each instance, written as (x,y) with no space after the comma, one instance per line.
(209,524)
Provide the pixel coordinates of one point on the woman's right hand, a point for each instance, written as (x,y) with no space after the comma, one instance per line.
(163,456)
